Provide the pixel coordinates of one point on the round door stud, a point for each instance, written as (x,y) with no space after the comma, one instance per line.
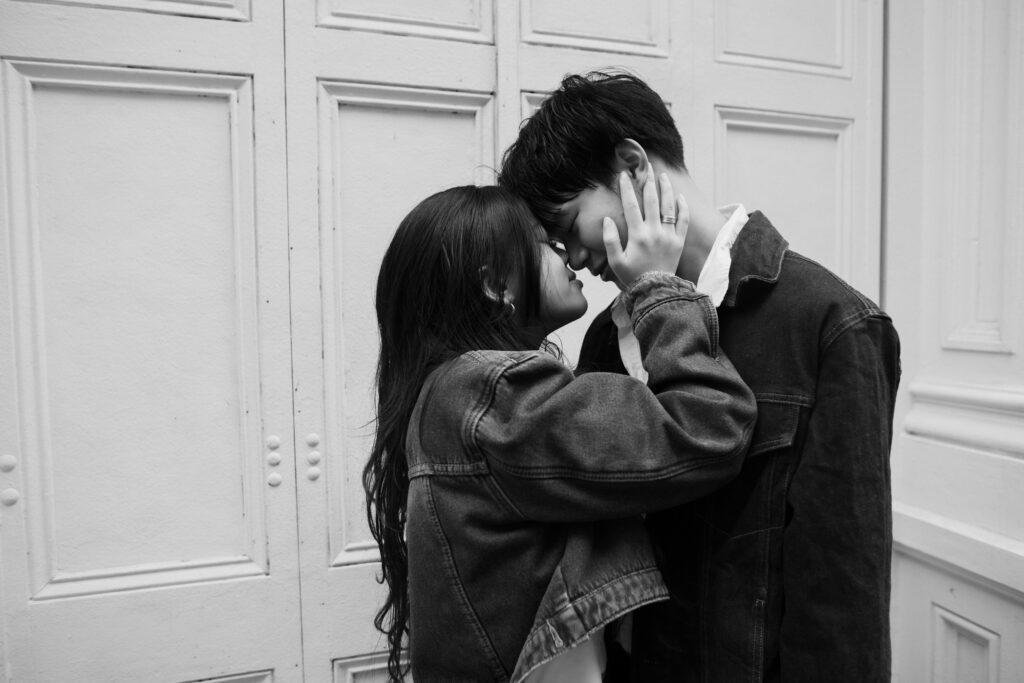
(9,496)
(274,479)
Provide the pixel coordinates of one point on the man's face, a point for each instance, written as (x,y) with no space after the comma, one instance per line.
(580,229)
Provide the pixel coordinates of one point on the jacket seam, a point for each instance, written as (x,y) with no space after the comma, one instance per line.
(589,634)
(635,572)
(492,483)
(866,302)
(710,316)
(639,573)
(473,427)
(633,475)
(847,323)
(451,469)
(789,399)
(460,590)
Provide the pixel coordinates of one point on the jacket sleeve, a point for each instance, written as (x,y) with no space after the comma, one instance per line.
(839,538)
(605,445)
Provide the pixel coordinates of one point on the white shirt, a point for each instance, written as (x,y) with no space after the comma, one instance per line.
(713,281)
(581,664)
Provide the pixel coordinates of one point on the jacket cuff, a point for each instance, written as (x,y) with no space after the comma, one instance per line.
(656,284)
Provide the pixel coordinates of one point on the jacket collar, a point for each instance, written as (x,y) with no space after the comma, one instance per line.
(756,255)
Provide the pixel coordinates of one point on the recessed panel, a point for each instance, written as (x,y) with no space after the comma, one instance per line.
(256,677)
(411,143)
(795,169)
(956,478)
(137,351)
(617,26)
(215,9)
(787,34)
(963,650)
(979,123)
(951,623)
(467,20)
(368,669)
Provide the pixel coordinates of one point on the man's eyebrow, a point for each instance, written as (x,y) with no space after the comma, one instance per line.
(558,215)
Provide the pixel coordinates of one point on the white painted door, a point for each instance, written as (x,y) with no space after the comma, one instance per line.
(955,290)
(187,339)
(144,345)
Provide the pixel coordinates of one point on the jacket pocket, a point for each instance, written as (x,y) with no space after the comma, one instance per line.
(777,422)
(755,500)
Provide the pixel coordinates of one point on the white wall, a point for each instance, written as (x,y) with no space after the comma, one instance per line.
(954,288)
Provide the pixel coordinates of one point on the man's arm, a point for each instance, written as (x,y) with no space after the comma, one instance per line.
(838,542)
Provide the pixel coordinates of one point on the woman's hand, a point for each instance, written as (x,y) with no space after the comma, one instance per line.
(652,243)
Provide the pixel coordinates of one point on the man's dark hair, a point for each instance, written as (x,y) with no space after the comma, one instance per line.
(568,145)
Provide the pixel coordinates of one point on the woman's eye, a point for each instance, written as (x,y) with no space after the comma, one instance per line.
(556,245)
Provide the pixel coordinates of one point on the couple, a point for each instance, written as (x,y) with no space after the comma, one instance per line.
(706,500)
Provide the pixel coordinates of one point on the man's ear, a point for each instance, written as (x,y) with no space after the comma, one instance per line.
(631,158)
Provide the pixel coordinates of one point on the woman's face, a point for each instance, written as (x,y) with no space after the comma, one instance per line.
(561,294)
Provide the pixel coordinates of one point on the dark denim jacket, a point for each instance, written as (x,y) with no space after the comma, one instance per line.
(525,486)
(783,574)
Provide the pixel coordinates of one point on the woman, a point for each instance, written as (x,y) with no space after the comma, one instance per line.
(504,494)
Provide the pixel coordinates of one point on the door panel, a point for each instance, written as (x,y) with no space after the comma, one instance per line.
(955,292)
(144,353)
(377,122)
(785,116)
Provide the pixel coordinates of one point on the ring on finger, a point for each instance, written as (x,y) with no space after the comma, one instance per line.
(668,219)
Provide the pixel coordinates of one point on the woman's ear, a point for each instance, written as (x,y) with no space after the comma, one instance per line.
(631,158)
(504,297)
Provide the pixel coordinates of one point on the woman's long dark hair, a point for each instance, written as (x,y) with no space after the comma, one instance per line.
(432,307)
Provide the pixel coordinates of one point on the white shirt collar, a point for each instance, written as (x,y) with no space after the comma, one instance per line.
(713,281)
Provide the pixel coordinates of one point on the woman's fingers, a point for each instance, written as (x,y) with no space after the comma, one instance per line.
(612,244)
(667,211)
(652,212)
(682,216)
(630,206)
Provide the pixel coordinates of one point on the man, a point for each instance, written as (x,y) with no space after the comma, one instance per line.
(783,574)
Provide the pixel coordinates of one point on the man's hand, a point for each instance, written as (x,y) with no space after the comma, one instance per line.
(652,243)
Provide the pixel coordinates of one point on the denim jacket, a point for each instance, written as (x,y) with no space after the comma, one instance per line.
(784,573)
(526,484)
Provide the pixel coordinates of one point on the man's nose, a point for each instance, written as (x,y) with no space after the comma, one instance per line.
(577,256)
